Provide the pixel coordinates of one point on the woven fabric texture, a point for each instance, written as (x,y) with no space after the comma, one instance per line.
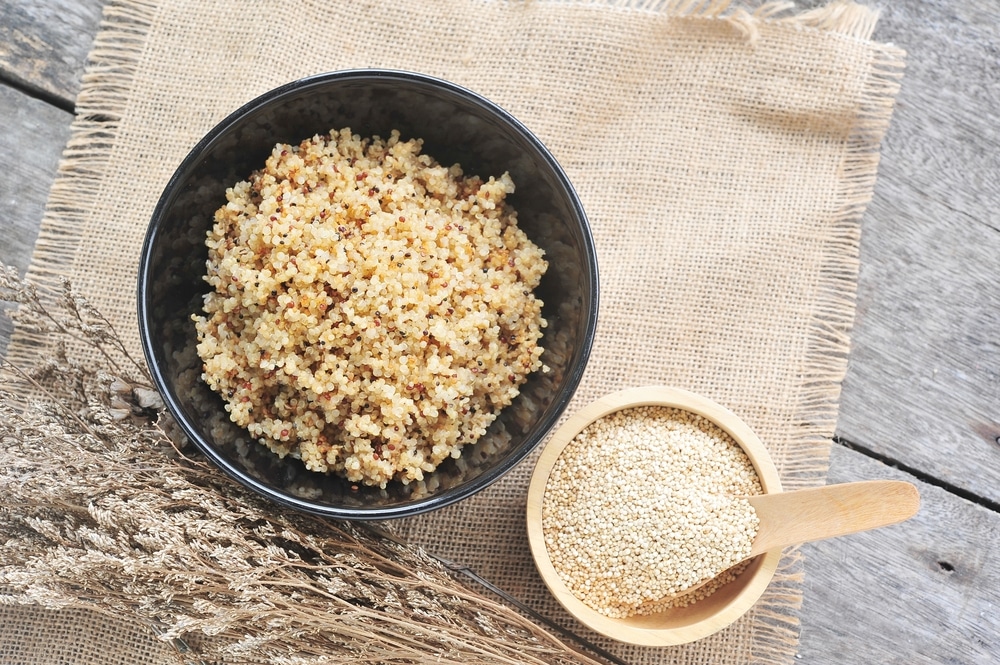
(724,157)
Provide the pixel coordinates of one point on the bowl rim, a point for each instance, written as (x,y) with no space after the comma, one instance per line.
(624,399)
(276,96)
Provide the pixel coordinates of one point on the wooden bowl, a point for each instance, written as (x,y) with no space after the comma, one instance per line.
(676,625)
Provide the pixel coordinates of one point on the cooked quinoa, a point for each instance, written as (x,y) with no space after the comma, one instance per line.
(646,503)
(371,310)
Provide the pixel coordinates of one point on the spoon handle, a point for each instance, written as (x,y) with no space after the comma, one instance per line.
(788,518)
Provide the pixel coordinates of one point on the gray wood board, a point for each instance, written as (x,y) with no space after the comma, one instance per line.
(34,137)
(918,593)
(923,384)
(44,45)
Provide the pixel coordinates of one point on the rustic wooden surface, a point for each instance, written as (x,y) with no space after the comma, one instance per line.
(44,43)
(34,134)
(921,400)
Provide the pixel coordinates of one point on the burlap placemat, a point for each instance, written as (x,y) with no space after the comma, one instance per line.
(724,157)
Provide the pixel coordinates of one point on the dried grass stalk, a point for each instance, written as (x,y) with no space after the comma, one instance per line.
(101,508)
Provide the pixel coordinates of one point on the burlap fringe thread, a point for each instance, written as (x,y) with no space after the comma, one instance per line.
(104,99)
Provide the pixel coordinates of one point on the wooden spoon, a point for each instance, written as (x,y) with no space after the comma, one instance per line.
(802,516)
(685,624)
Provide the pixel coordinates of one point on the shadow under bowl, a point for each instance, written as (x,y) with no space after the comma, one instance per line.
(457,126)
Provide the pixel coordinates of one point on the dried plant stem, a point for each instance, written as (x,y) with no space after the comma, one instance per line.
(101,508)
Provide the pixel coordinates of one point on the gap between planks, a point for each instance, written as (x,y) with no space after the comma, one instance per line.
(920,475)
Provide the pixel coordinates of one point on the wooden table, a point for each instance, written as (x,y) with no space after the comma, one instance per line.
(921,400)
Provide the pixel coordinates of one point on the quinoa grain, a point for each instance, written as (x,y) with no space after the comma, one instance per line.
(365,299)
(644,504)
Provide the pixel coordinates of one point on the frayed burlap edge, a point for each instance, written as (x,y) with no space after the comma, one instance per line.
(807,461)
(104,98)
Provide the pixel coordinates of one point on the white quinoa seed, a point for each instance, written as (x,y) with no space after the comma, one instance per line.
(372,310)
(645,503)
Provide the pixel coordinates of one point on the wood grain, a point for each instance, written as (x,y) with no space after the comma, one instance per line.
(918,593)
(923,385)
(33,139)
(44,45)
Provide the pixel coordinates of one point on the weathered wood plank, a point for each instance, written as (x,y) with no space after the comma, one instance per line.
(916,593)
(923,385)
(31,143)
(44,45)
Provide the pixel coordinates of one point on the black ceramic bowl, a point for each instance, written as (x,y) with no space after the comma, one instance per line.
(457,126)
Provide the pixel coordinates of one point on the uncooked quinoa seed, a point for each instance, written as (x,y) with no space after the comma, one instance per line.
(371,310)
(645,503)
